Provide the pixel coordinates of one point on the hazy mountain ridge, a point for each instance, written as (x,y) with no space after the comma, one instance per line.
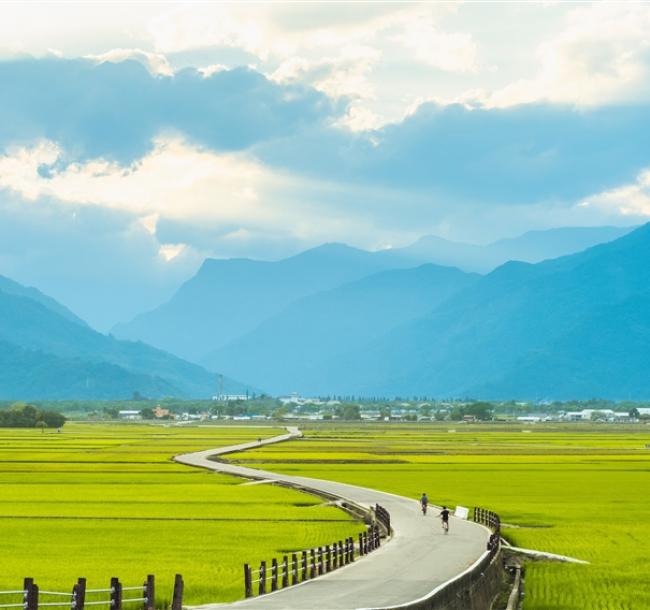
(10,287)
(289,348)
(39,346)
(28,375)
(229,298)
(521,331)
(531,247)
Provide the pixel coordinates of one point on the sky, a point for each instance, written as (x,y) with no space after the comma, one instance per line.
(137,139)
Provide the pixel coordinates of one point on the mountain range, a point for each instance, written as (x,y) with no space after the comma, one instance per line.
(573,327)
(229,298)
(339,320)
(48,352)
(295,344)
(531,247)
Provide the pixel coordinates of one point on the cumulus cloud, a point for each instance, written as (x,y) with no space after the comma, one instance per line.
(156,63)
(448,51)
(601,55)
(628,200)
(174,179)
(117,110)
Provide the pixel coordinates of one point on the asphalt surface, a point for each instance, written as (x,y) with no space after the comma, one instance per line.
(417,559)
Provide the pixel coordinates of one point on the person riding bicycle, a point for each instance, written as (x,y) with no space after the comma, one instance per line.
(424,502)
(444,515)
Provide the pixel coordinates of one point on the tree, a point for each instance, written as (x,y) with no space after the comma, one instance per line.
(22,415)
(147,413)
(52,419)
(42,425)
(481,410)
(279,412)
(349,412)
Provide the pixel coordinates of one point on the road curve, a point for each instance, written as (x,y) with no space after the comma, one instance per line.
(418,558)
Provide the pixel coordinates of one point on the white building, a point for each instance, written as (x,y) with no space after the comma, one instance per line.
(129,414)
(227,397)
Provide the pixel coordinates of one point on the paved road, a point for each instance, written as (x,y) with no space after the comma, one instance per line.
(417,559)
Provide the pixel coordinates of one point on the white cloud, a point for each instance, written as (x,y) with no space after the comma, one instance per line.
(175,180)
(627,200)
(208,71)
(448,51)
(347,75)
(182,183)
(156,63)
(601,55)
(171,251)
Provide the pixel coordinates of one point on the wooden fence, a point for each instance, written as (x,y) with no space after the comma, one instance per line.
(115,597)
(383,516)
(309,564)
(493,521)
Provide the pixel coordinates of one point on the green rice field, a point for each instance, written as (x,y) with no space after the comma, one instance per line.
(577,489)
(102,500)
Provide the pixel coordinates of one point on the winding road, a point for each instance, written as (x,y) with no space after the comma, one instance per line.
(417,559)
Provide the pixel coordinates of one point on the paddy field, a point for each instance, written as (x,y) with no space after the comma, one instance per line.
(104,500)
(578,489)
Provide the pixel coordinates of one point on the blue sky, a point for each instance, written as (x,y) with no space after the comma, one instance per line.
(138,138)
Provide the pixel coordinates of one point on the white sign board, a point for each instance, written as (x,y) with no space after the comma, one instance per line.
(461,512)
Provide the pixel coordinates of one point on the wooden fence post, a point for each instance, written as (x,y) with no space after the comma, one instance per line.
(340,550)
(320,561)
(351,548)
(150,593)
(285,572)
(304,565)
(328,558)
(177,595)
(274,574)
(294,569)
(262,587)
(116,594)
(335,555)
(30,594)
(360,544)
(312,563)
(79,594)
(248,584)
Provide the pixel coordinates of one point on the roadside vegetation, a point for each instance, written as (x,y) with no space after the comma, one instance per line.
(577,489)
(102,500)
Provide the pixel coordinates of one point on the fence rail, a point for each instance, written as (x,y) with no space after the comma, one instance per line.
(33,598)
(311,563)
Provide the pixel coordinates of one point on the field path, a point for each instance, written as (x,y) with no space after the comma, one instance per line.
(417,559)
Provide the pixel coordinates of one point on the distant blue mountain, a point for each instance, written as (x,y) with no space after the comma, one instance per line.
(290,347)
(47,352)
(574,327)
(229,298)
(531,247)
(10,287)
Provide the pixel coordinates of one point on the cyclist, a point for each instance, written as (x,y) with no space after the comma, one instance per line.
(444,515)
(424,503)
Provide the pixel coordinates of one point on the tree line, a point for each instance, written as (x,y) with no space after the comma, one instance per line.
(22,415)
